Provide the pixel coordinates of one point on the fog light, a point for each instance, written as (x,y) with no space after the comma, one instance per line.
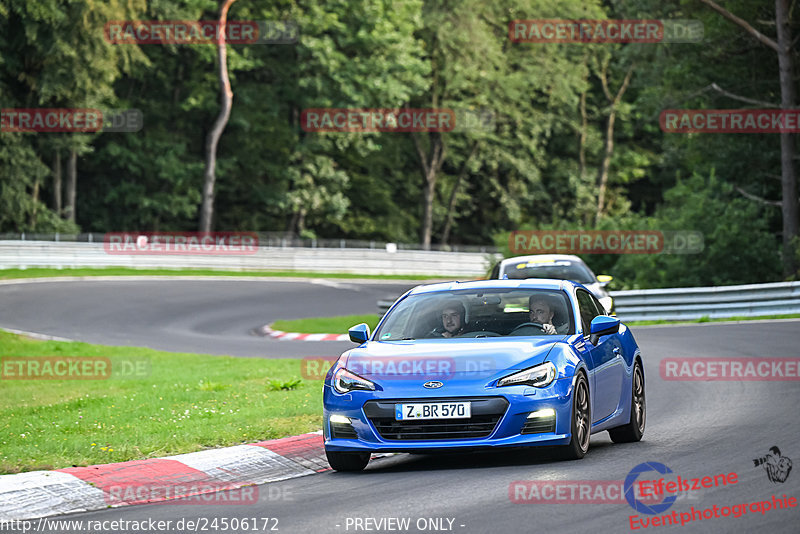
(540,422)
(342,427)
(340,419)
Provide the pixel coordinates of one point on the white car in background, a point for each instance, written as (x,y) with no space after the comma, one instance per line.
(559,266)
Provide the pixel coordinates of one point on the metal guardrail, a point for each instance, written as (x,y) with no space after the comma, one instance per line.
(750,300)
(65,255)
(689,303)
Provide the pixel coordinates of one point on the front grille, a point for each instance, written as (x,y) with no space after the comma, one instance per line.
(343,431)
(486,413)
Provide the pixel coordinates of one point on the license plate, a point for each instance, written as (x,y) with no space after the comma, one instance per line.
(433,410)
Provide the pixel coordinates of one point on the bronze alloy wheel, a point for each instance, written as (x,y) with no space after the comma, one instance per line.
(634,429)
(582,421)
(639,409)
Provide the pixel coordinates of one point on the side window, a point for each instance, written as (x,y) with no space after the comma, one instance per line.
(588,309)
(600,308)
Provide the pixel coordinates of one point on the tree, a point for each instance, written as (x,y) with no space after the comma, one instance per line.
(59,58)
(226,101)
(783,48)
(608,148)
(530,88)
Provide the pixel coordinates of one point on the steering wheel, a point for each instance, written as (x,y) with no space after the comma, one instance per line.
(480,333)
(540,326)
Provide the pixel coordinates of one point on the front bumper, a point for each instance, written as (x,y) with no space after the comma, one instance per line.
(498,419)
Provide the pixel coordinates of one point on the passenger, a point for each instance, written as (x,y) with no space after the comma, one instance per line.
(541,311)
(453,319)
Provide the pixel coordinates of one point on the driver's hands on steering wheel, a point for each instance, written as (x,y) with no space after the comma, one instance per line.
(547,328)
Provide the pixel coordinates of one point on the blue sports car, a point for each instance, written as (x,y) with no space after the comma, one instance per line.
(490,363)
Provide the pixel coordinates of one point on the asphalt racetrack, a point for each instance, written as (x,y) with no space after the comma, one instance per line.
(696,428)
(203,316)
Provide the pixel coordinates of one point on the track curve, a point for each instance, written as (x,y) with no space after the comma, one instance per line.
(697,429)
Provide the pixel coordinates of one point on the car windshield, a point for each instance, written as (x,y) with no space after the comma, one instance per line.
(478,313)
(561,270)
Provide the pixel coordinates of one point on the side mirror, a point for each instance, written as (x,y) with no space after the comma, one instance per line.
(604,279)
(602,325)
(360,333)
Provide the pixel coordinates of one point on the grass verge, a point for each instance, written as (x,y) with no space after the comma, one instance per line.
(9,274)
(183,403)
(707,319)
(340,324)
(326,325)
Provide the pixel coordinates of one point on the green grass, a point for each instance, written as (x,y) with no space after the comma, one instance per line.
(8,274)
(340,324)
(707,319)
(326,325)
(186,403)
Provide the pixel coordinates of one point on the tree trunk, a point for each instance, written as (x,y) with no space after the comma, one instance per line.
(602,176)
(35,207)
(431,165)
(788,179)
(427,208)
(72,182)
(57,182)
(452,203)
(212,140)
(582,138)
(291,227)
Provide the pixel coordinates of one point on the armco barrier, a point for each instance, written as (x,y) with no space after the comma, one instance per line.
(64,255)
(714,302)
(688,303)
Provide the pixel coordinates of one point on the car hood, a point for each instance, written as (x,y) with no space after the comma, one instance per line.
(447,358)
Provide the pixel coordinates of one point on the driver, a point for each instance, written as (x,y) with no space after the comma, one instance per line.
(453,319)
(541,311)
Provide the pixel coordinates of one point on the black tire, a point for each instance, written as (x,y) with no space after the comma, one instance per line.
(634,430)
(581,423)
(347,461)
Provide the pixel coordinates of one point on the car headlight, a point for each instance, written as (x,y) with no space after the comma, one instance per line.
(345,381)
(538,376)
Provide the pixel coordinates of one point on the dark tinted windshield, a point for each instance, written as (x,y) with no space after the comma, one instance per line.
(478,313)
(561,270)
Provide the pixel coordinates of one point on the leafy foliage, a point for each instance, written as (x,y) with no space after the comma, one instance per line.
(535,165)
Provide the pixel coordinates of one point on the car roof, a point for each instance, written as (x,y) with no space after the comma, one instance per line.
(528,283)
(542,258)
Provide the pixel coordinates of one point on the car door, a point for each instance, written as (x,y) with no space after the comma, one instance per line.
(607,363)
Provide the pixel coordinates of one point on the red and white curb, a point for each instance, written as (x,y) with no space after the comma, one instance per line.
(77,489)
(266,331)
